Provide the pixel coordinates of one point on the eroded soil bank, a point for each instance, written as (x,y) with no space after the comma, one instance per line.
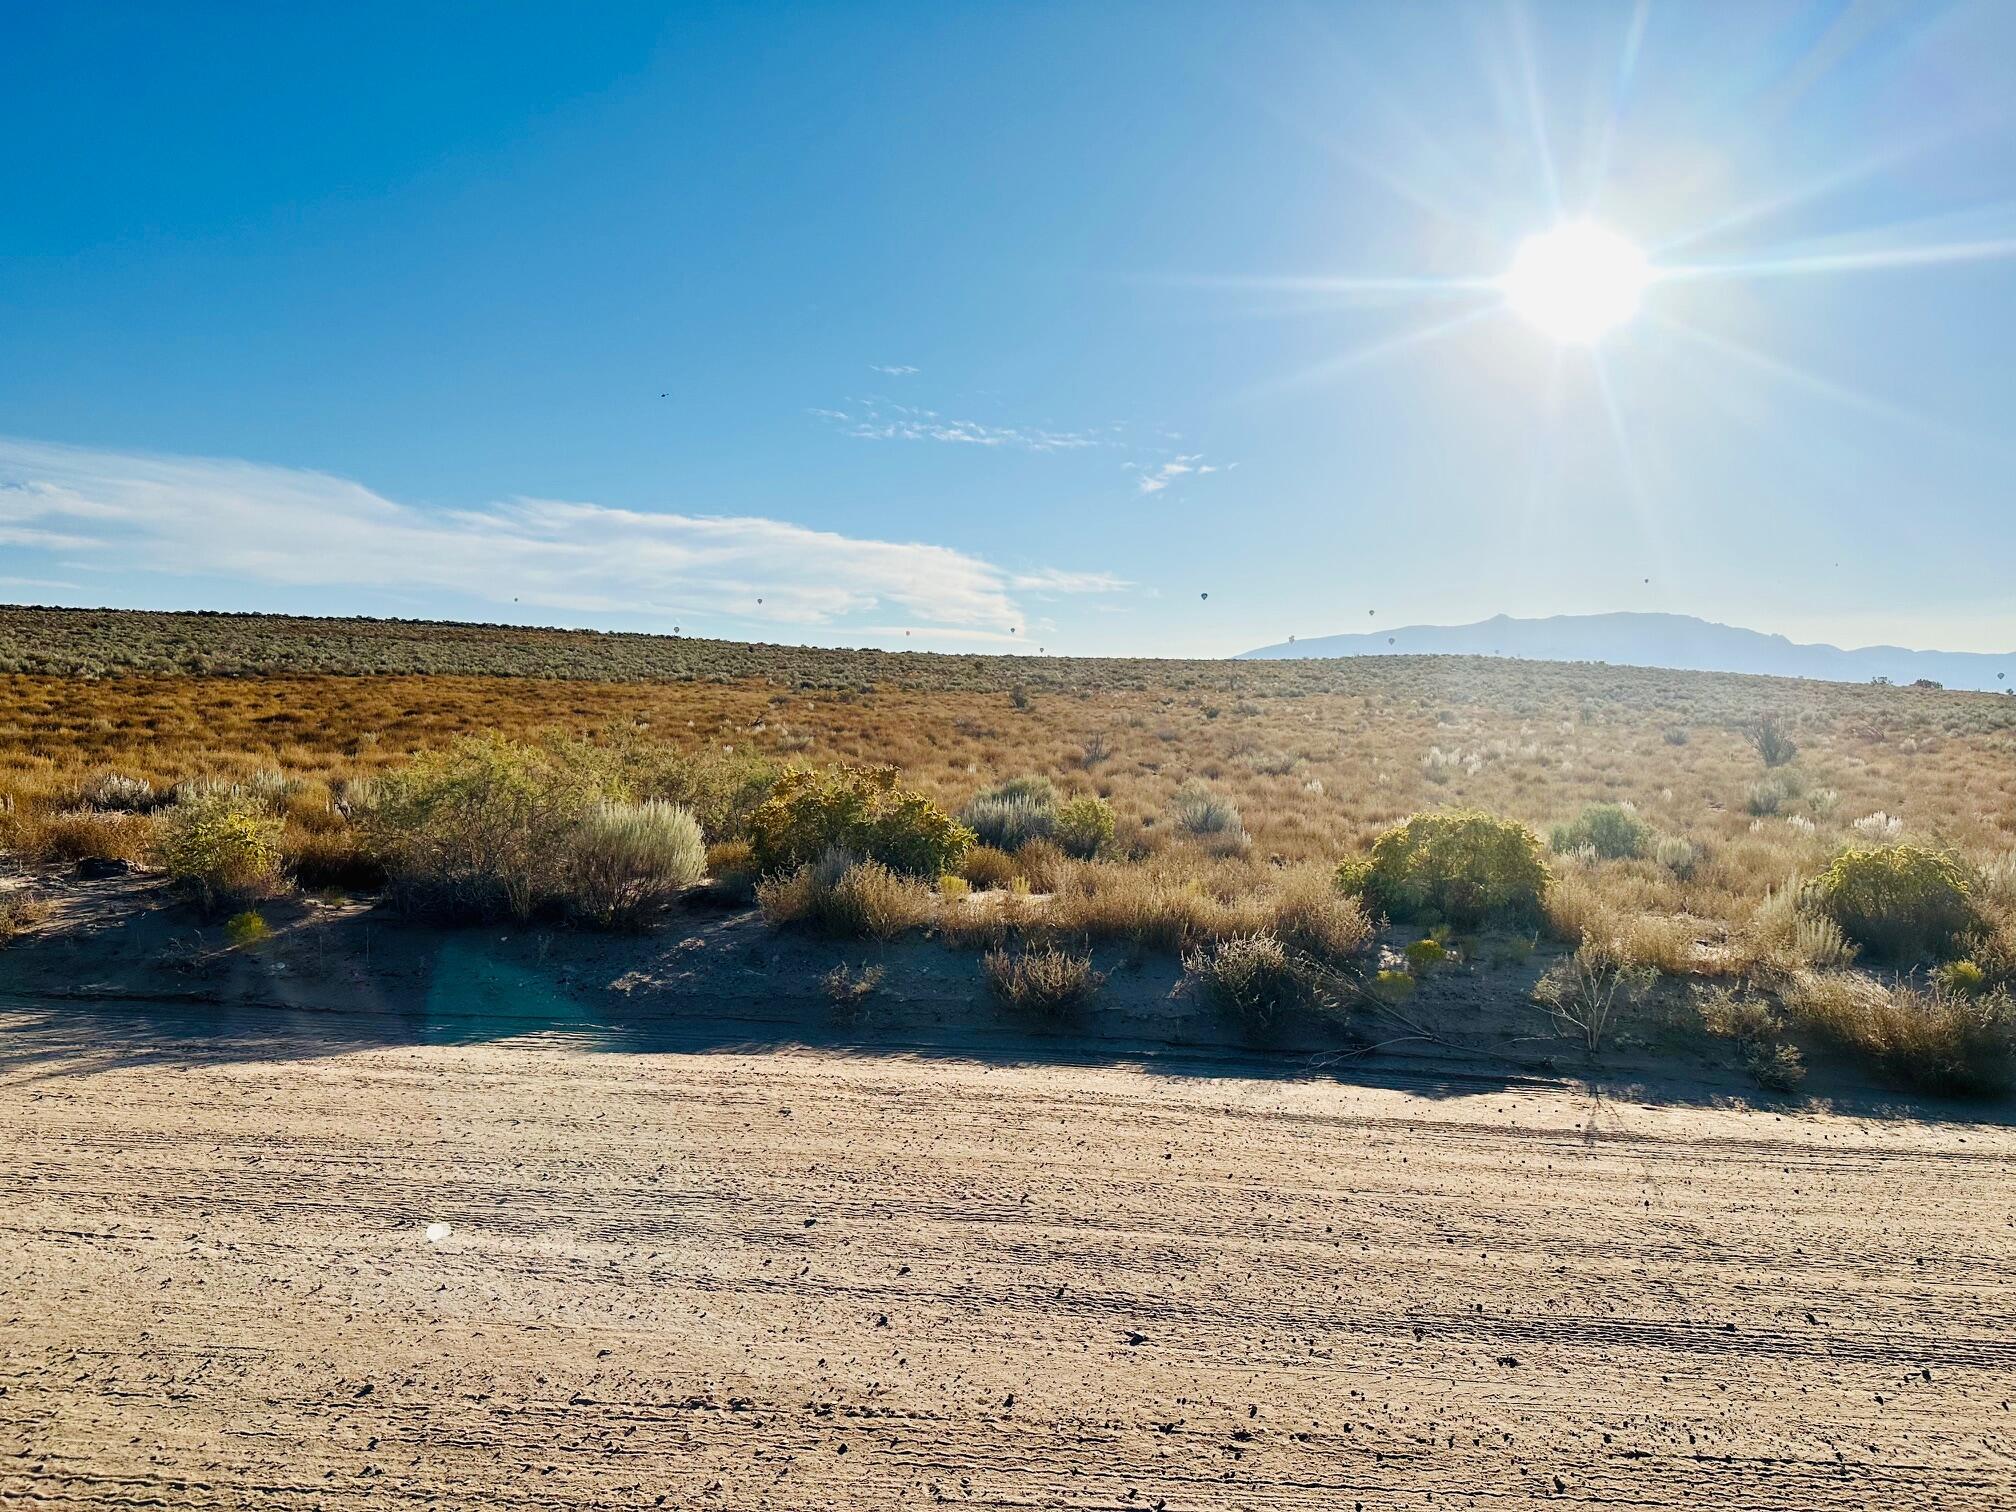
(714,1247)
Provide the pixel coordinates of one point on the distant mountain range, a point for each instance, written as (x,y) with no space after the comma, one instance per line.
(1663,640)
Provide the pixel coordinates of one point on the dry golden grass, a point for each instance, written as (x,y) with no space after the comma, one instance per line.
(849,898)
(1317,758)
(1235,787)
(20,911)
(1944,1040)
(1045,980)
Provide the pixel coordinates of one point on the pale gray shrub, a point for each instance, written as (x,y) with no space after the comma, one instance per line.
(628,860)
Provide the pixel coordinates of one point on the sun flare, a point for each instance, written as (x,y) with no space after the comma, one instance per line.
(1576,281)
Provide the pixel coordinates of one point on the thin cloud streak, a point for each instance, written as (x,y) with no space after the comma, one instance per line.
(218,518)
(902,422)
(1055,580)
(1158,478)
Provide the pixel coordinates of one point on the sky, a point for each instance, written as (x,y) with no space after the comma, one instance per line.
(969,327)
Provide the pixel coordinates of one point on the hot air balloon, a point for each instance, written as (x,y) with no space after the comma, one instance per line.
(1203,595)
(1389,640)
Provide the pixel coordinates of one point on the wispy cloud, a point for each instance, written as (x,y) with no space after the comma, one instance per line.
(1052,580)
(881,421)
(197,516)
(892,372)
(1155,479)
(29,582)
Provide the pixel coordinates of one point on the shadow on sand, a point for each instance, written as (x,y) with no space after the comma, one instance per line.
(121,979)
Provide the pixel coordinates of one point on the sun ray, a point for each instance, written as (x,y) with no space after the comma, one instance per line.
(1812,383)
(1374,351)
(1994,249)
(1620,89)
(1402,188)
(1546,460)
(1813,189)
(1627,460)
(1422,147)
(1536,116)
(1327,283)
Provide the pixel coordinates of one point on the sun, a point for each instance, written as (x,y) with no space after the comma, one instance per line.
(1576,281)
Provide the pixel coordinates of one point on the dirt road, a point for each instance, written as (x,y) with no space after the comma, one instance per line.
(819,1280)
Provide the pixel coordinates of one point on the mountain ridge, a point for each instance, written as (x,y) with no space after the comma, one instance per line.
(1682,642)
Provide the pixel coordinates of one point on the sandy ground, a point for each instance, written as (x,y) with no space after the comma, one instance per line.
(871,1277)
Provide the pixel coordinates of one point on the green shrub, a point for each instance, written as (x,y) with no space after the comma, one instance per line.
(629,859)
(856,809)
(220,846)
(247,928)
(1609,829)
(1391,986)
(1050,982)
(1353,876)
(1423,954)
(1900,901)
(720,790)
(1964,977)
(482,828)
(1461,865)
(1085,827)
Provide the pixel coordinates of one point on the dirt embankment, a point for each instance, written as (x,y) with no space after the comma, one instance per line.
(702,1251)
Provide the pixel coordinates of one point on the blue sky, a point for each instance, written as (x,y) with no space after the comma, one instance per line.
(1008,326)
